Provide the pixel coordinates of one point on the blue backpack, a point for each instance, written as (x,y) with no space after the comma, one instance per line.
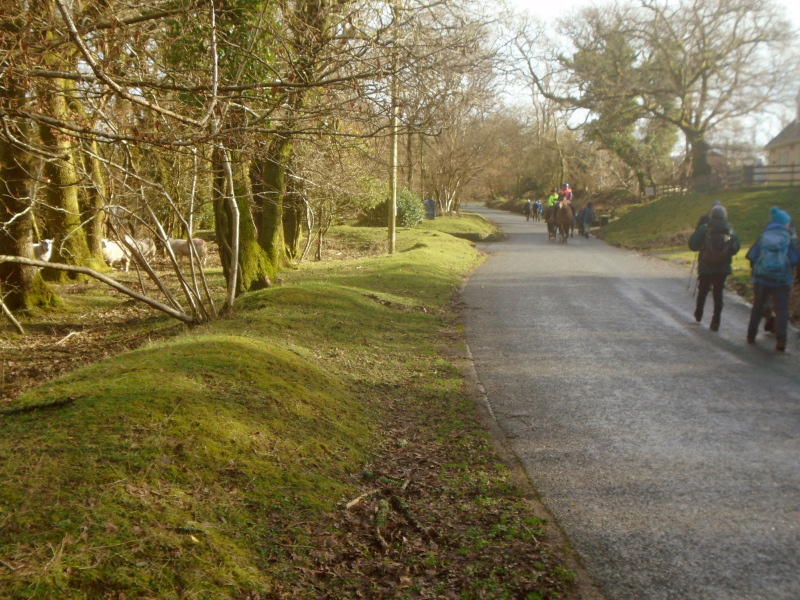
(772,264)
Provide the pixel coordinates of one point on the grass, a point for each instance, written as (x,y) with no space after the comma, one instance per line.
(203,466)
(468,225)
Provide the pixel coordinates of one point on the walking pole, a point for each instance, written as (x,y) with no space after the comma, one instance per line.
(691,273)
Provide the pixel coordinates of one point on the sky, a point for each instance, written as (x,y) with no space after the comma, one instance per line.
(549,10)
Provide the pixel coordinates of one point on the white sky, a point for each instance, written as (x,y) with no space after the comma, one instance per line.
(549,10)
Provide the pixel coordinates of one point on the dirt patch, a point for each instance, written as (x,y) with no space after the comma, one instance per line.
(57,342)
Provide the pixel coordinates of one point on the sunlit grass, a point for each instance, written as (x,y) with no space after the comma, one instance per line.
(179,470)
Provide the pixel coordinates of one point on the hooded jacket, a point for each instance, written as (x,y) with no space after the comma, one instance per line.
(775,229)
(698,239)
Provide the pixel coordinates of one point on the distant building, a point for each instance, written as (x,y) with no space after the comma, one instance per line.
(717,161)
(783,153)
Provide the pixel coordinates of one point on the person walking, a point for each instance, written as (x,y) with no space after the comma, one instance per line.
(588,219)
(717,244)
(772,259)
(527,209)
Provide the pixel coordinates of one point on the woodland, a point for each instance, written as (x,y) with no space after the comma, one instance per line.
(253,126)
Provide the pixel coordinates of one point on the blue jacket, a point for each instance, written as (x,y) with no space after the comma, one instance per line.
(793,255)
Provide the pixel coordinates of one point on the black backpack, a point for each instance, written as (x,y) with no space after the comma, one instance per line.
(717,248)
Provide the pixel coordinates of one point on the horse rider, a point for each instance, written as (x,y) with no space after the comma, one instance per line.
(566,196)
(566,193)
(551,200)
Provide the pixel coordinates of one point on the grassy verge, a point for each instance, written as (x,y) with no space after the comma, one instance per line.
(316,444)
(468,226)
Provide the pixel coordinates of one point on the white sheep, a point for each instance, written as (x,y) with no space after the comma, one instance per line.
(181,248)
(145,246)
(114,253)
(43,250)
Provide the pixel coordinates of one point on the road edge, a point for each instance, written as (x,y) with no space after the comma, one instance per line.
(584,587)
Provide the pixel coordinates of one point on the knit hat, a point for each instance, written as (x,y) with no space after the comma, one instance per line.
(718,213)
(779,216)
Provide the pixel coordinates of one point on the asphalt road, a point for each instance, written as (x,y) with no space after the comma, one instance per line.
(667,453)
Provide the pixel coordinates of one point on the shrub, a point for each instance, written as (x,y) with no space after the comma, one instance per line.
(410,211)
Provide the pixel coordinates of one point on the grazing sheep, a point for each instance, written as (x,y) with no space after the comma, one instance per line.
(114,253)
(145,246)
(43,250)
(181,248)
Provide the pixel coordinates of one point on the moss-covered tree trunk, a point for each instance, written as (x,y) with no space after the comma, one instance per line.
(22,287)
(62,210)
(268,177)
(255,268)
(92,203)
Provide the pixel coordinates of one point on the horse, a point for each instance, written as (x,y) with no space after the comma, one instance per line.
(564,219)
(550,219)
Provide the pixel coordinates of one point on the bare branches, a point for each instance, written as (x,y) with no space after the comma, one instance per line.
(180,316)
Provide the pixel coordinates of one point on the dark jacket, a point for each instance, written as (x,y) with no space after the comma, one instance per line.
(793,255)
(697,241)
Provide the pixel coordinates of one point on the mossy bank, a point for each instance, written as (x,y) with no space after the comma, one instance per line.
(211,465)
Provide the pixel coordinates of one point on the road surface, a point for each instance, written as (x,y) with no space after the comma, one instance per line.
(667,453)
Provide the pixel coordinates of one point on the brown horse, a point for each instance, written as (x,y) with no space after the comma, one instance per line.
(550,219)
(563,219)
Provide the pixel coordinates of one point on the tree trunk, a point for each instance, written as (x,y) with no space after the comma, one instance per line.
(268,176)
(22,286)
(92,203)
(410,161)
(699,156)
(293,218)
(255,268)
(62,213)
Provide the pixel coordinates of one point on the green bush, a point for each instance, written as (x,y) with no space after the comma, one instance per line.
(410,211)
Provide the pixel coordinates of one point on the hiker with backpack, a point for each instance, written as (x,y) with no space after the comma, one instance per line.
(717,244)
(773,258)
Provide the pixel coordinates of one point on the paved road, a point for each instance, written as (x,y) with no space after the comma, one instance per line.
(668,454)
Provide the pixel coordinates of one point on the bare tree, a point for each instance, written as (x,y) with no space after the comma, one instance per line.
(691,65)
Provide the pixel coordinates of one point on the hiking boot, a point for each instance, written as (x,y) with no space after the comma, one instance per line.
(751,339)
(780,346)
(714,324)
(698,315)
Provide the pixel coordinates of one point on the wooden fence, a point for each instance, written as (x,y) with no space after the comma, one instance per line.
(747,176)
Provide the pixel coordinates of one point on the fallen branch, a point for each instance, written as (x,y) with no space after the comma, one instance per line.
(382,542)
(381,517)
(355,501)
(66,337)
(180,316)
(403,508)
(31,407)
(11,318)
(8,566)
